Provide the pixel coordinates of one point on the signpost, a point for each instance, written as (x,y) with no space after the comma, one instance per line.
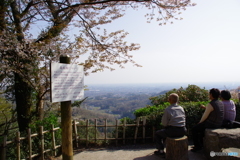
(66,82)
(66,85)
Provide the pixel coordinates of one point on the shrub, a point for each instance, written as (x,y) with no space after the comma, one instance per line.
(192,93)
(154,114)
(151,110)
(47,123)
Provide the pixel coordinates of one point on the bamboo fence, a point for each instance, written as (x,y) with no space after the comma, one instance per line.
(29,139)
(140,123)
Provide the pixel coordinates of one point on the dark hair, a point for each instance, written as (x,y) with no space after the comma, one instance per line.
(225,94)
(215,93)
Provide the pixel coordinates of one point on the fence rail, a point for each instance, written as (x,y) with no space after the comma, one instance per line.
(116,137)
(29,138)
(140,122)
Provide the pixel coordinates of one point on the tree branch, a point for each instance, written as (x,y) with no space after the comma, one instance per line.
(52,8)
(26,10)
(17,21)
(58,26)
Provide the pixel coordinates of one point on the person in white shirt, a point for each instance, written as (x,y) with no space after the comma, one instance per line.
(173,120)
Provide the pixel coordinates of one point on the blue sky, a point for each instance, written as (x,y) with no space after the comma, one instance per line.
(203,47)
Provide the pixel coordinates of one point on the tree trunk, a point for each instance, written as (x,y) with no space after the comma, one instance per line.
(39,104)
(177,148)
(40,109)
(23,94)
(3,9)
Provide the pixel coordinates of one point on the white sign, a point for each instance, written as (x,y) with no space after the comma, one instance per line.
(66,82)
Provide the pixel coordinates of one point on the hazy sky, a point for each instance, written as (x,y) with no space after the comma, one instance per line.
(203,47)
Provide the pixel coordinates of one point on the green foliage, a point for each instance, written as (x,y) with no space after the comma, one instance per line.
(78,103)
(83,131)
(151,110)
(154,114)
(47,123)
(8,116)
(5,110)
(6,122)
(193,113)
(192,93)
(129,130)
(90,132)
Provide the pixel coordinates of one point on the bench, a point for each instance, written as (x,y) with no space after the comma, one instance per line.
(177,148)
(218,140)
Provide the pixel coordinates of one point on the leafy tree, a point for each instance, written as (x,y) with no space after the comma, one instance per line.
(8,116)
(25,55)
(192,93)
(191,98)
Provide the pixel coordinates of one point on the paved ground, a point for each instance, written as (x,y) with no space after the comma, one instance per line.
(131,152)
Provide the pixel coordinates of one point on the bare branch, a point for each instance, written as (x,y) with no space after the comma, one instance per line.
(26,10)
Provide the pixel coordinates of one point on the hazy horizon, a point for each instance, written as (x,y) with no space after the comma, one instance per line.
(220,85)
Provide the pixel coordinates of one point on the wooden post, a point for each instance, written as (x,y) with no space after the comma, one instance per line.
(87,137)
(42,143)
(136,131)
(18,146)
(144,129)
(124,130)
(105,138)
(30,144)
(95,131)
(116,135)
(53,141)
(66,123)
(177,148)
(75,133)
(3,150)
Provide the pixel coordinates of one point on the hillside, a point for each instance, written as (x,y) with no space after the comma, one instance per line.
(118,101)
(111,106)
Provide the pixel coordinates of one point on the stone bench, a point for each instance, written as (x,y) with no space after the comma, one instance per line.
(177,148)
(216,140)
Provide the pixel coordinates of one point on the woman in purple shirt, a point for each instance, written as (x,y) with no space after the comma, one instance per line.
(229,109)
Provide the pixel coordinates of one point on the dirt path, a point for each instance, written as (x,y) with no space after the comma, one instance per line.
(133,152)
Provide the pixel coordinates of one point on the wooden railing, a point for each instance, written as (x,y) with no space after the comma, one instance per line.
(29,137)
(140,123)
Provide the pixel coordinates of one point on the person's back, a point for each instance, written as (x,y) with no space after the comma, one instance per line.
(229,110)
(229,106)
(176,116)
(211,118)
(215,118)
(173,120)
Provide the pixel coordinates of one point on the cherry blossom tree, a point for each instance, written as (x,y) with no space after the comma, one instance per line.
(25,56)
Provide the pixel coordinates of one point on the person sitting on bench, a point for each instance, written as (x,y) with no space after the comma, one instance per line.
(229,109)
(211,118)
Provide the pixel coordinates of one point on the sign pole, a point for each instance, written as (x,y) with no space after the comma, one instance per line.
(66,122)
